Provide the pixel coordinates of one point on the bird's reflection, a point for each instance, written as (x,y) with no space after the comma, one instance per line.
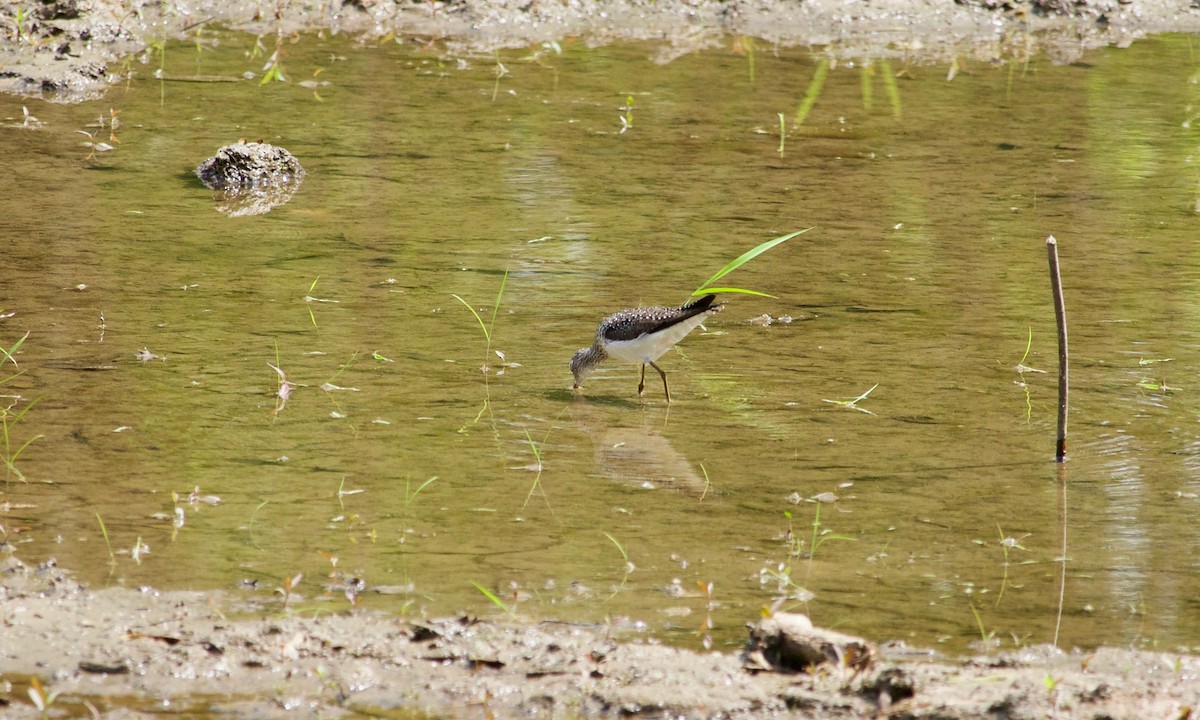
(645,458)
(640,456)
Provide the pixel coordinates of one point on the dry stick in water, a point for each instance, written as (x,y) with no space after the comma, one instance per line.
(1060,315)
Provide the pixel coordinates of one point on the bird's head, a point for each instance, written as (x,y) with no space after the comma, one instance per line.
(584,362)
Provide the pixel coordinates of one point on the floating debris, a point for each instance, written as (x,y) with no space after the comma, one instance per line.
(766,320)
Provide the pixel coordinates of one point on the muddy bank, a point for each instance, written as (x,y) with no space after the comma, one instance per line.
(71,50)
(140,653)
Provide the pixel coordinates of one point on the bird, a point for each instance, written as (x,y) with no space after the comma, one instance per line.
(641,336)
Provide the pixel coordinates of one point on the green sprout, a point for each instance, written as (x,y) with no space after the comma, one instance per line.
(410,493)
(984,634)
(500,71)
(41,698)
(629,567)
(511,612)
(273,70)
(537,466)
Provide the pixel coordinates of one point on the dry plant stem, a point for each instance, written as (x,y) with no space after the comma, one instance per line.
(1060,314)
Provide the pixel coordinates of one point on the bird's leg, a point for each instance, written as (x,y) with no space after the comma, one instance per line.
(664,377)
(642,383)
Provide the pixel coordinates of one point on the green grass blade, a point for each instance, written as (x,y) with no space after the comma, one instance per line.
(345,366)
(893,90)
(410,495)
(495,600)
(104,531)
(620,547)
(21,449)
(718,290)
(747,257)
(8,354)
(17,416)
(486,333)
(496,307)
(421,487)
(815,86)
(1028,345)
(866,78)
(537,455)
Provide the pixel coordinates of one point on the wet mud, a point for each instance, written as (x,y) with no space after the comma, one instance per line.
(73,50)
(142,653)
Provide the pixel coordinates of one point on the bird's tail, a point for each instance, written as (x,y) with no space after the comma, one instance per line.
(703,304)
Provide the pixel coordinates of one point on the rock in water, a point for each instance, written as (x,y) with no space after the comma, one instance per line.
(251,178)
(248,165)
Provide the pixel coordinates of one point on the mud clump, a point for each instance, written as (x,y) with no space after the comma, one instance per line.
(788,642)
(251,178)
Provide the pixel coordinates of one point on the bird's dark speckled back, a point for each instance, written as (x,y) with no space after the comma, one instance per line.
(631,324)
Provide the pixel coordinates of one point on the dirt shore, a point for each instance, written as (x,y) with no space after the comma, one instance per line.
(120,653)
(70,50)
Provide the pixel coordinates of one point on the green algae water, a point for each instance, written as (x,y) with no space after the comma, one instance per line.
(549,187)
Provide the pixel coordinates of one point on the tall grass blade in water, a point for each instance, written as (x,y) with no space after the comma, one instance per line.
(488,327)
(707,286)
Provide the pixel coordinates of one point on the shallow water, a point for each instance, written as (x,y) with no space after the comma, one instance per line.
(429,175)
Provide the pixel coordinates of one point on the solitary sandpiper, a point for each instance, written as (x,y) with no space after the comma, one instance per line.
(641,336)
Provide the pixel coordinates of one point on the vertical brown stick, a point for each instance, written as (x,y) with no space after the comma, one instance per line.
(1060,314)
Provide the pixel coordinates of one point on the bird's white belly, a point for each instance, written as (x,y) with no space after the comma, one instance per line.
(647,348)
